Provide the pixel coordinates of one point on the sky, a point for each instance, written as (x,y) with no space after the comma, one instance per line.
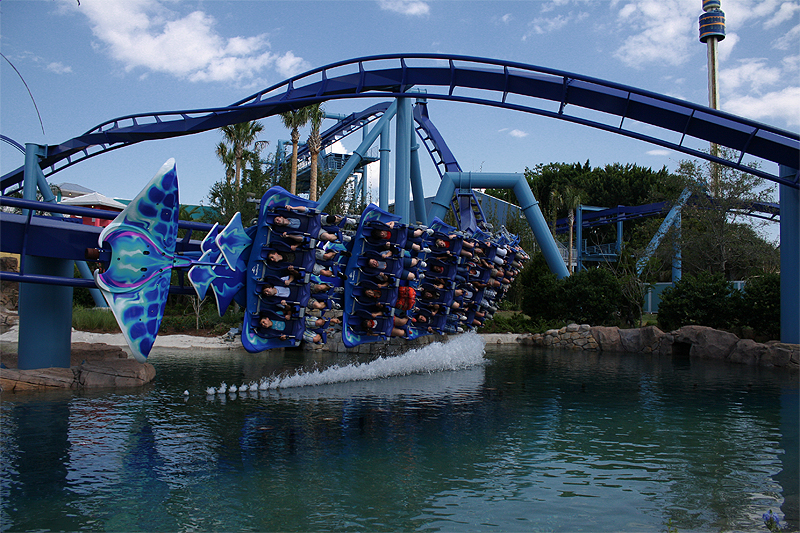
(84,62)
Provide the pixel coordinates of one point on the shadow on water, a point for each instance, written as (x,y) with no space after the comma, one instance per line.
(525,440)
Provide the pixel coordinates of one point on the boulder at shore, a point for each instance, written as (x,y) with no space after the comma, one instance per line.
(93,366)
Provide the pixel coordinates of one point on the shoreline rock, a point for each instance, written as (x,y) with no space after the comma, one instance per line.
(93,366)
(689,341)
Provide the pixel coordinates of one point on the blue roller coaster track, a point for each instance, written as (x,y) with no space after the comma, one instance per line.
(546,92)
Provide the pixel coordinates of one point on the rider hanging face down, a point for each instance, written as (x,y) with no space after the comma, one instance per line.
(293,223)
(367,326)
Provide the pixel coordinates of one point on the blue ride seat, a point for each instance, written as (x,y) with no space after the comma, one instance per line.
(476,273)
(300,260)
(453,245)
(293,330)
(383,324)
(388,295)
(397,234)
(436,322)
(298,294)
(394,265)
(308,223)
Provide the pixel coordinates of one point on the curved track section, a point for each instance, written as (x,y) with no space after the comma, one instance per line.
(547,92)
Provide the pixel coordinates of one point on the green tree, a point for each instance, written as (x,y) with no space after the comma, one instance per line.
(294,120)
(717,235)
(315,115)
(236,140)
(257,176)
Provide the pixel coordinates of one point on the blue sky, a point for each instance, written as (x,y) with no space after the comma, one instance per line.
(92,61)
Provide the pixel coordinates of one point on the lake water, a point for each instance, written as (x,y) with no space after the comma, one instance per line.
(519,440)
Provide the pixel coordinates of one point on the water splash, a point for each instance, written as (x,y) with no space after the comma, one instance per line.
(462,352)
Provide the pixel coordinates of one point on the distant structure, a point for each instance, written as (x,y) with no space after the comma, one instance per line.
(712,31)
(95,200)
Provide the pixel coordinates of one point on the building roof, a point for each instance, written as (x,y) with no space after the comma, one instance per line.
(95,199)
(72,190)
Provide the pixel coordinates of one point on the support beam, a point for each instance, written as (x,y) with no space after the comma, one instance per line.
(677,256)
(417,190)
(356,158)
(45,312)
(402,158)
(45,316)
(527,202)
(383,180)
(579,238)
(790,259)
(669,220)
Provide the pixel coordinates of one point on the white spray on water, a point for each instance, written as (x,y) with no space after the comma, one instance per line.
(460,353)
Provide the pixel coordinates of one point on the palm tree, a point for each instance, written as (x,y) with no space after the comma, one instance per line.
(238,138)
(315,115)
(228,160)
(294,120)
(572,199)
(554,205)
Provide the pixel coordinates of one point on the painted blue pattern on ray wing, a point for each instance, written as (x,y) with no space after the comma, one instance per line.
(233,240)
(154,211)
(201,276)
(135,259)
(210,241)
(142,240)
(228,283)
(222,248)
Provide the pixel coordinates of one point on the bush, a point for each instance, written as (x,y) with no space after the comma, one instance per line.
(705,300)
(589,296)
(592,297)
(759,306)
(540,289)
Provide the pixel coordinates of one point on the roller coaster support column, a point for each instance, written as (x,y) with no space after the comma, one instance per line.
(579,238)
(356,158)
(677,258)
(402,159)
(383,181)
(417,192)
(669,220)
(790,259)
(528,204)
(45,311)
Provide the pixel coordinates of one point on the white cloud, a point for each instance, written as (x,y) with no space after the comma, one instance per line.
(405,7)
(666,32)
(781,105)
(725,47)
(519,134)
(543,25)
(788,40)
(506,18)
(752,73)
(146,34)
(59,68)
(658,152)
(785,12)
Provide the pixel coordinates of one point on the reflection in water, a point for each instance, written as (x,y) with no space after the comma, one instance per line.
(529,440)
